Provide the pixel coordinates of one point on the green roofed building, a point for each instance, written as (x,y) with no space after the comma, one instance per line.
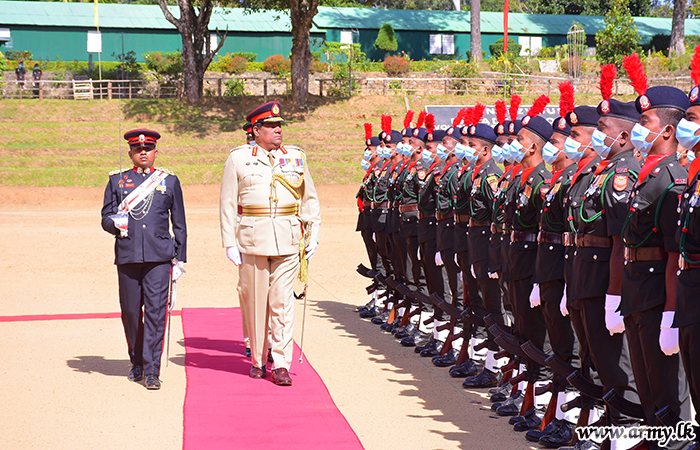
(58,29)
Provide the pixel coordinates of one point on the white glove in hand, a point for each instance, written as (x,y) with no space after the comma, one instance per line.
(311,248)
(493,275)
(472,270)
(178,270)
(374,237)
(234,255)
(457,263)
(535,296)
(562,305)
(668,338)
(418,255)
(613,319)
(438,259)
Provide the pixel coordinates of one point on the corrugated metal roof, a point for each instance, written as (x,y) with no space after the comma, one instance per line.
(151,17)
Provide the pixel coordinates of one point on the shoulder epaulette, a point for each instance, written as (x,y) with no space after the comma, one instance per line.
(293,147)
(114,172)
(168,171)
(241,147)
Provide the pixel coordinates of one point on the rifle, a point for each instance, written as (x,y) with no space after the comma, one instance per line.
(619,403)
(667,417)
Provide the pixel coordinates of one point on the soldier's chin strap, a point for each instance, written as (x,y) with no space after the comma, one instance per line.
(304,278)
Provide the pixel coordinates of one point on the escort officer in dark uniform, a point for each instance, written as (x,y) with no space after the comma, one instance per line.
(651,255)
(140,205)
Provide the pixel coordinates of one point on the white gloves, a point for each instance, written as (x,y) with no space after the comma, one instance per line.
(562,305)
(179,269)
(374,237)
(418,255)
(535,296)
(234,255)
(472,269)
(311,248)
(456,259)
(613,319)
(438,259)
(493,275)
(668,338)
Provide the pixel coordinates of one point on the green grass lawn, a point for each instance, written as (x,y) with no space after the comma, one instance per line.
(76,143)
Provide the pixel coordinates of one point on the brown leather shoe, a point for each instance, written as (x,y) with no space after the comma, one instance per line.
(258,372)
(281,377)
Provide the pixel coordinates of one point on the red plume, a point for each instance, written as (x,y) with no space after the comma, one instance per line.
(386,124)
(421,119)
(478,113)
(430,123)
(515,102)
(468,116)
(695,66)
(501,111)
(408,119)
(538,106)
(635,71)
(607,77)
(368,131)
(458,118)
(566,98)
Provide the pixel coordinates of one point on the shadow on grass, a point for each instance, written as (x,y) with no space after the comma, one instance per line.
(438,402)
(214,114)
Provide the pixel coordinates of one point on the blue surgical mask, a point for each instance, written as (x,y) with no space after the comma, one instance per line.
(497,154)
(639,138)
(516,149)
(506,152)
(427,156)
(461,151)
(598,143)
(364,164)
(442,152)
(550,153)
(690,155)
(471,156)
(685,133)
(367,155)
(407,150)
(573,150)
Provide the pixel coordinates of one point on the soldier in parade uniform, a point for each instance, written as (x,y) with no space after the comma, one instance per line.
(270,218)
(651,255)
(140,205)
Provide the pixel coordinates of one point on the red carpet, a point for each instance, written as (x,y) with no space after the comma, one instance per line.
(226,409)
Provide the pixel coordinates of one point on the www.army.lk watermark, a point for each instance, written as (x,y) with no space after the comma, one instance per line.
(683,431)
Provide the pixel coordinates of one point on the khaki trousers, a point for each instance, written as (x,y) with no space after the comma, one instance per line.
(266,288)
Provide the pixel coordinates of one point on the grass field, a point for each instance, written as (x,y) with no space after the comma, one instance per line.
(76,143)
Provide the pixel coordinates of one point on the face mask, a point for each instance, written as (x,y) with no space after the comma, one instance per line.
(690,155)
(442,152)
(685,133)
(573,150)
(427,156)
(497,154)
(461,151)
(516,149)
(550,153)
(598,143)
(367,155)
(639,139)
(364,164)
(386,153)
(471,156)
(506,152)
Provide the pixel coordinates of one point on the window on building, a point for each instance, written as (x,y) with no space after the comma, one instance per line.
(442,44)
(346,37)
(531,45)
(5,38)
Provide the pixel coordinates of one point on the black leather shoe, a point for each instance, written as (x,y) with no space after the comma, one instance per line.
(531,421)
(247,352)
(501,393)
(410,341)
(407,331)
(563,434)
(511,407)
(535,435)
(381,318)
(388,326)
(467,369)
(583,445)
(369,305)
(258,372)
(432,342)
(372,312)
(136,373)
(432,351)
(446,360)
(484,379)
(152,382)
(515,419)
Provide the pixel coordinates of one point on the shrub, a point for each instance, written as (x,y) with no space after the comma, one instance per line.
(386,39)
(234,88)
(277,64)
(231,64)
(249,56)
(340,88)
(463,69)
(3,63)
(255,67)
(428,66)
(496,49)
(164,64)
(21,55)
(316,55)
(619,38)
(318,67)
(396,65)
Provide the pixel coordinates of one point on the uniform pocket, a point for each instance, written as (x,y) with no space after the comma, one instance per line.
(246,232)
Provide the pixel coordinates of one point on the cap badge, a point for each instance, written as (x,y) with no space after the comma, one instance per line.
(142,138)
(429,136)
(511,128)
(644,102)
(561,124)
(605,107)
(275,109)
(450,131)
(694,94)
(416,131)
(501,129)
(403,132)
(369,142)
(573,118)
(387,137)
(526,120)
(465,130)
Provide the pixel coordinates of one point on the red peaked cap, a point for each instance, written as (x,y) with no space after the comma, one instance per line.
(142,137)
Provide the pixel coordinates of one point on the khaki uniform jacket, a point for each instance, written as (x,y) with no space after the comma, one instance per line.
(251,181)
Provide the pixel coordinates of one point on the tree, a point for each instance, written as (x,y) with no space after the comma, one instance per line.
(475,34)
(619,38)
(301,14)
(386,39)
(677,47)
(196,45)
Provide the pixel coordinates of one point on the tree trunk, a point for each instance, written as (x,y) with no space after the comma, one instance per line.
(677,46)
(475,34)
(192,68)
(302,13)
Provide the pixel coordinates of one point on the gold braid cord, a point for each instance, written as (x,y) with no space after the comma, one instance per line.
(303,262)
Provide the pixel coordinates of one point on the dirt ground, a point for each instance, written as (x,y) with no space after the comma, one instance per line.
(64,381)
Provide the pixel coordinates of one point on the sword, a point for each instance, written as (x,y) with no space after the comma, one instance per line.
(307,239)
(171,306)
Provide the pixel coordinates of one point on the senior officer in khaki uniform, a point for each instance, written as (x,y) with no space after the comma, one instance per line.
(268,202)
